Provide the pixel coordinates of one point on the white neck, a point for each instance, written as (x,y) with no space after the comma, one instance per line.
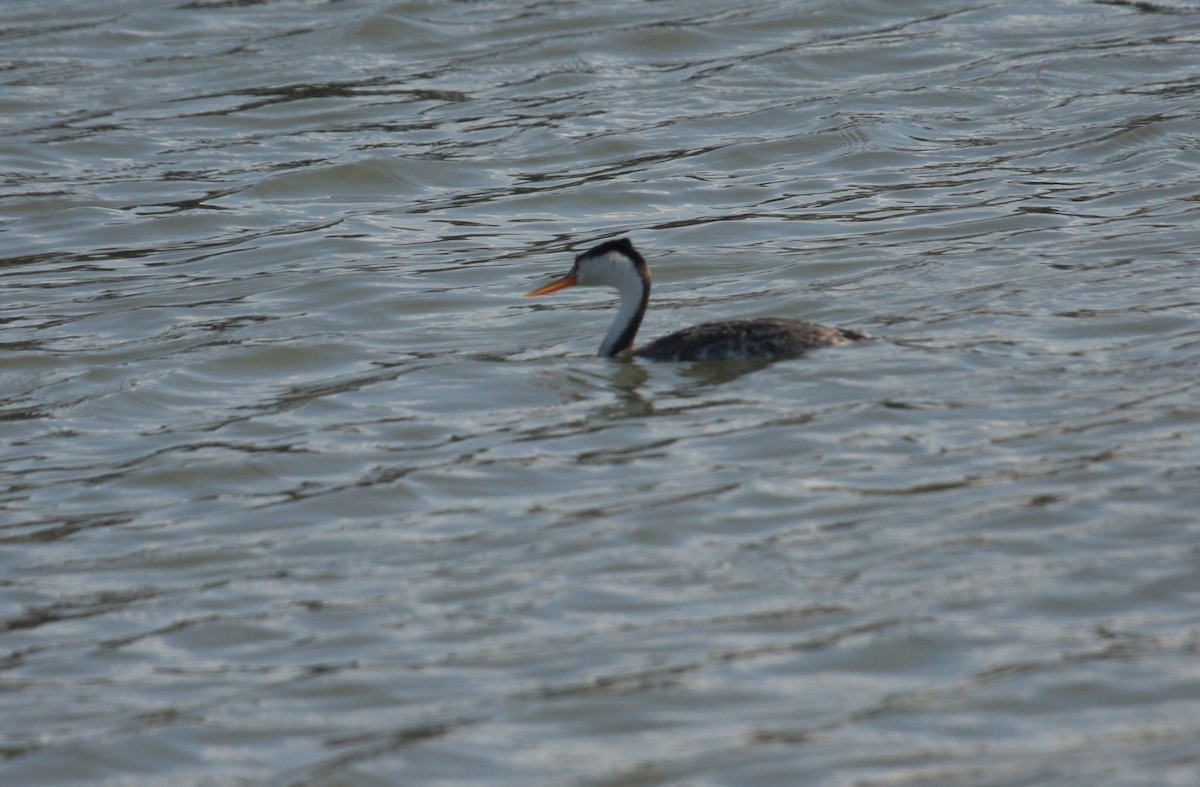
(617,270)
(631,306)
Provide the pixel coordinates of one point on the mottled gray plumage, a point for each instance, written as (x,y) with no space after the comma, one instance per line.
(732,339)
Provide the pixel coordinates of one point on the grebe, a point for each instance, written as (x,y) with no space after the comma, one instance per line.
(616,263)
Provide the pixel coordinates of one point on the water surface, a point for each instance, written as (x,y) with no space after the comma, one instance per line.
(298,490)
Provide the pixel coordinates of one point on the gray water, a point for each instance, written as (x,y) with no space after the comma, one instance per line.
(297,489)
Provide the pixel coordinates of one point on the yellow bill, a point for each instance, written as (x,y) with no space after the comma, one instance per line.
(566,281)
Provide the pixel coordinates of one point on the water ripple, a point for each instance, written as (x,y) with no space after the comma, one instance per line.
(292,474)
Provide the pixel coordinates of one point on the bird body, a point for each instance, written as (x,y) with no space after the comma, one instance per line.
(768,337)
(618,264)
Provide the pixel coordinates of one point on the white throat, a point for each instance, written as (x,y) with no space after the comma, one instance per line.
(617,270)
(631,304)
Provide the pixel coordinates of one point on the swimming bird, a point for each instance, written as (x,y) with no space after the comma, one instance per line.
(616,263)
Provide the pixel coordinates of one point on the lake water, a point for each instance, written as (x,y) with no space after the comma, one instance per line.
(297,489)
